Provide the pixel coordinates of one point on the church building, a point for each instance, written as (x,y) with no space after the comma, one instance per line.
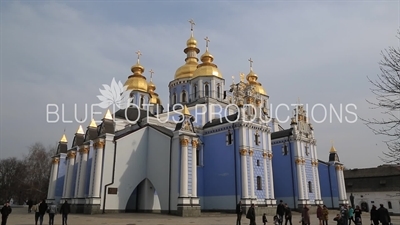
(213,145)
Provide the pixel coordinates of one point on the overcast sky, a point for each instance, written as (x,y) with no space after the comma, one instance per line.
(57,52)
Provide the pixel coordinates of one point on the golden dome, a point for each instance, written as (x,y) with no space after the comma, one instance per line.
(187,70)
(260,89)
(333,149)
(207,67)
(151,86)
(155,99)
(191,42)
(136,81)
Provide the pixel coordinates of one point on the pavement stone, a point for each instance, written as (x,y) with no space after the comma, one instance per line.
(20,216)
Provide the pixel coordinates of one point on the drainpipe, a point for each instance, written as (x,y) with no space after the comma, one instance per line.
(291,167)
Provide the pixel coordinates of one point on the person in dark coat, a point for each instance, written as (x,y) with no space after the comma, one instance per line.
(305,215)
(239,212)
(280,211)
(42,210)
(384,216)
(251,215)
(5,212)
(288,215)
(374,215)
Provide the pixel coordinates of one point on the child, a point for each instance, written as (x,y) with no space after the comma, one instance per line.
(264,219)
(276,220)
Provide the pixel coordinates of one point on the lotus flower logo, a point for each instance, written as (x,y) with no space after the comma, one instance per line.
(116,94)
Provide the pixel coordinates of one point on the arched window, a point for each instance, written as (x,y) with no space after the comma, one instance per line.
(218,91)
(206,90)
(229,138)
(284,149)
(184,96)
(309,187)
(174,99)
(259,184)
(258,162)
(195,90)
(141,101)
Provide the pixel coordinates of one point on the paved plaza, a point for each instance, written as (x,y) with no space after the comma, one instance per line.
(21,217)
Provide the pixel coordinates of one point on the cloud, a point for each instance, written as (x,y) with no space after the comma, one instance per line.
(62,53)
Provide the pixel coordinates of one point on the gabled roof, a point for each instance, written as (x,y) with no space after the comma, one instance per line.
(222,120)
(133,114)
(281,134)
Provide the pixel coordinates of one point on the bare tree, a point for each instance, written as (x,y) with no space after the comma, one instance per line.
(386,88)
(12,176)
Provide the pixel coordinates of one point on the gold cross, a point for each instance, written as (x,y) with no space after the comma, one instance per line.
(207,41)
(151,74)
(138,54)
(191,24)
(251,63)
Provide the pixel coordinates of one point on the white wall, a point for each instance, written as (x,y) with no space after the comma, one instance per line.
(378,198)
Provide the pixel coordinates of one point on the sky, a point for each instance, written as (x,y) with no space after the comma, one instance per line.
(321,52)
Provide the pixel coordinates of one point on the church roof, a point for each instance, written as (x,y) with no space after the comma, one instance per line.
(281,134)
(133,114)
(380,171)
(218,121)
(160,129)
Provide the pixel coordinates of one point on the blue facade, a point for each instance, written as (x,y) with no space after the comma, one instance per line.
(285,173)
(329,184)
(62,167)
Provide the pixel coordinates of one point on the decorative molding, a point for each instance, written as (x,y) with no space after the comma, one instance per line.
(184,142)
(243,152)
(300,161)
(83,150)
(314,163)
(270,155)
(55,160)
(71,155)
(195,143)
(98,145)
(339,167)
(251,152)
(265,155)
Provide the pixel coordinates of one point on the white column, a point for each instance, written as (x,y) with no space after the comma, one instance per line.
(343,185)
(49,194)
(184,168)
(317,172)
(194,167)
(98,169)
(92,171)
(70,172)
(251,174)
(271,175)
(82,175)
(54,177)
(265,155)
(299,170)
(303,168)
(64,195)
(339,177)
(243,159)
(77,178)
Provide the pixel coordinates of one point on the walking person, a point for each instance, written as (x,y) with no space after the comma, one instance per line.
(5,212)
(374,215)
(351,215)
(251,215)
(319,214)
(280,211)
(344,215)
(288,215)
(305,214)
(52,212)
(66,209)
(325,214)
(264,219)
(239,212)
(35,209)
(30,204)
(42,210)
(357,215)
(384,216)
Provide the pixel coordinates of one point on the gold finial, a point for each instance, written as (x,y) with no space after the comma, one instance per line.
(80,130)
(108,115)
(251,63)
(64,139)
(333,149)
(207,41)
(138,55)
(185,111)
(93,123)
(192,25)
(242,77)
(151,74)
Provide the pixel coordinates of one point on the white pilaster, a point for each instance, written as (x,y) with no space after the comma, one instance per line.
(303,168)
(272,196)
(252,192)
(49,194)
(299,170)
(184,168)
(56,161)
(265,155)
(79,160)
(82,173)
(318,190)
(98,169)
(64,193)
(70,172)
(92,170)
(243,159)
(194,167)
(339,181)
